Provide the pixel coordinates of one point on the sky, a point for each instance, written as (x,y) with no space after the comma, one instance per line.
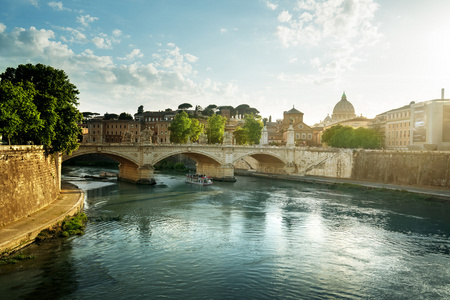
(270,54)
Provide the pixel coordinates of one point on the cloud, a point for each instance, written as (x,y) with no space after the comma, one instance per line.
(271,5)
(164,81)
(76,36)
(58,6)
(117,33)
(86,20)
(340,30)
(136,53)
(284,17)
(191,58)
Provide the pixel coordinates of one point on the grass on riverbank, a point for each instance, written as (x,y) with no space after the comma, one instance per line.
(15,259)
(74,225)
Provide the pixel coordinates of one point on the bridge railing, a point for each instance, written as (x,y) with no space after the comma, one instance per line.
(182,145)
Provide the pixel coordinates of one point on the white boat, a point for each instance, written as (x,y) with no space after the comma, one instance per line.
(198,179)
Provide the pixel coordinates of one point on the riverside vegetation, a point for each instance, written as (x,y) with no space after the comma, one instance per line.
(74,225)
(69,226)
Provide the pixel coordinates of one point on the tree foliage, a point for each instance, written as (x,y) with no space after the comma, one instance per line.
(240,136)
(195,130)
(108,116)
(346,137)
(125,116)
(55,98)
(253,128)
(184,106)
(140,109)
(216,129)
(180,128)
(18,114)
(251,131)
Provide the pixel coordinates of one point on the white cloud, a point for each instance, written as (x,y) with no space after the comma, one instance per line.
(284,16)
(86,20)
(341,30)
(104,84)
(76,36)
(191,58)
(271,5)
(58,6)
(117,33)
(34,3)
(101,42)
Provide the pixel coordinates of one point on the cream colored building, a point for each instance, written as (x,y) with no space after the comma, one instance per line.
(417,126)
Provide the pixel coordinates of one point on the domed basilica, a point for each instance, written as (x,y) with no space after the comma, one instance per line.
(343,111)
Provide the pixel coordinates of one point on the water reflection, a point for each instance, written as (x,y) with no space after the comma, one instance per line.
(255,238)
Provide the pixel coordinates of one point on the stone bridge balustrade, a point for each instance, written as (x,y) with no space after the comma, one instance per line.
(217,161)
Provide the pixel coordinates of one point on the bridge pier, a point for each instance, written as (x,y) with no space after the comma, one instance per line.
(136,174)
(217,172)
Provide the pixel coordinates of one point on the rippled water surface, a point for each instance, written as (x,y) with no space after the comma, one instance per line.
(252,239)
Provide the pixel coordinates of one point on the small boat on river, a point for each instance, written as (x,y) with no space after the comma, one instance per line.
(198,179)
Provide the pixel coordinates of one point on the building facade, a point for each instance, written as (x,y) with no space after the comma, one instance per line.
(417,126)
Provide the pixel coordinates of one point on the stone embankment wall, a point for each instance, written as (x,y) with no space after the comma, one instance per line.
(328,162)
(417,168)
(29,181)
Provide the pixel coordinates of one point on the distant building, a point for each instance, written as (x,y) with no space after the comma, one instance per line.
(343,110)
(395,126)
(417,126)
(158,122)
(277,131)
(98,130)
(343,114)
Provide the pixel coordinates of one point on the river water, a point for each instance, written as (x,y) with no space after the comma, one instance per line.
(252,239)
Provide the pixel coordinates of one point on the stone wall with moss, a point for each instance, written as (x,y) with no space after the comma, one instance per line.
(29,181)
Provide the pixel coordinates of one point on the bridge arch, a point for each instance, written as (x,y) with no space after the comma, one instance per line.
(129,168)
(197,156)
(209,164)
(266,162)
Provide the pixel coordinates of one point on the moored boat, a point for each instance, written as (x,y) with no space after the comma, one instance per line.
(198,179)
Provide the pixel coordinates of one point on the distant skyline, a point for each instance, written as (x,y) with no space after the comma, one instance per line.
(272,55)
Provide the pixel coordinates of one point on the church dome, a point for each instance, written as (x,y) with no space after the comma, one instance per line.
(343,110)
(344,106)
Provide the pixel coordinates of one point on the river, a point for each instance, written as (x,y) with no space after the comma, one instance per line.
(252,239)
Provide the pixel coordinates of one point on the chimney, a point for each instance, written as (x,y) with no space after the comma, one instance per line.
(442,94)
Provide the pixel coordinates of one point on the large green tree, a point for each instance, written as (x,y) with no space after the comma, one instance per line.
(125,116)
(250,133)
(195,130)
(18,114)
(216,128)
(346,137)
(240,136)
(253,128)
(180,128)
(56,101)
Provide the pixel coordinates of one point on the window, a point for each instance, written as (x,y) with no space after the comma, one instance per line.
(309,136)
(297,135)
(303,136)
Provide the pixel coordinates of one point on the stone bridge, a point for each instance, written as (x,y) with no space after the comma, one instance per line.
(218,161)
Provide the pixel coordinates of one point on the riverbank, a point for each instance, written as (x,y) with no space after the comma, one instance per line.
(441,194)
(23,232)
